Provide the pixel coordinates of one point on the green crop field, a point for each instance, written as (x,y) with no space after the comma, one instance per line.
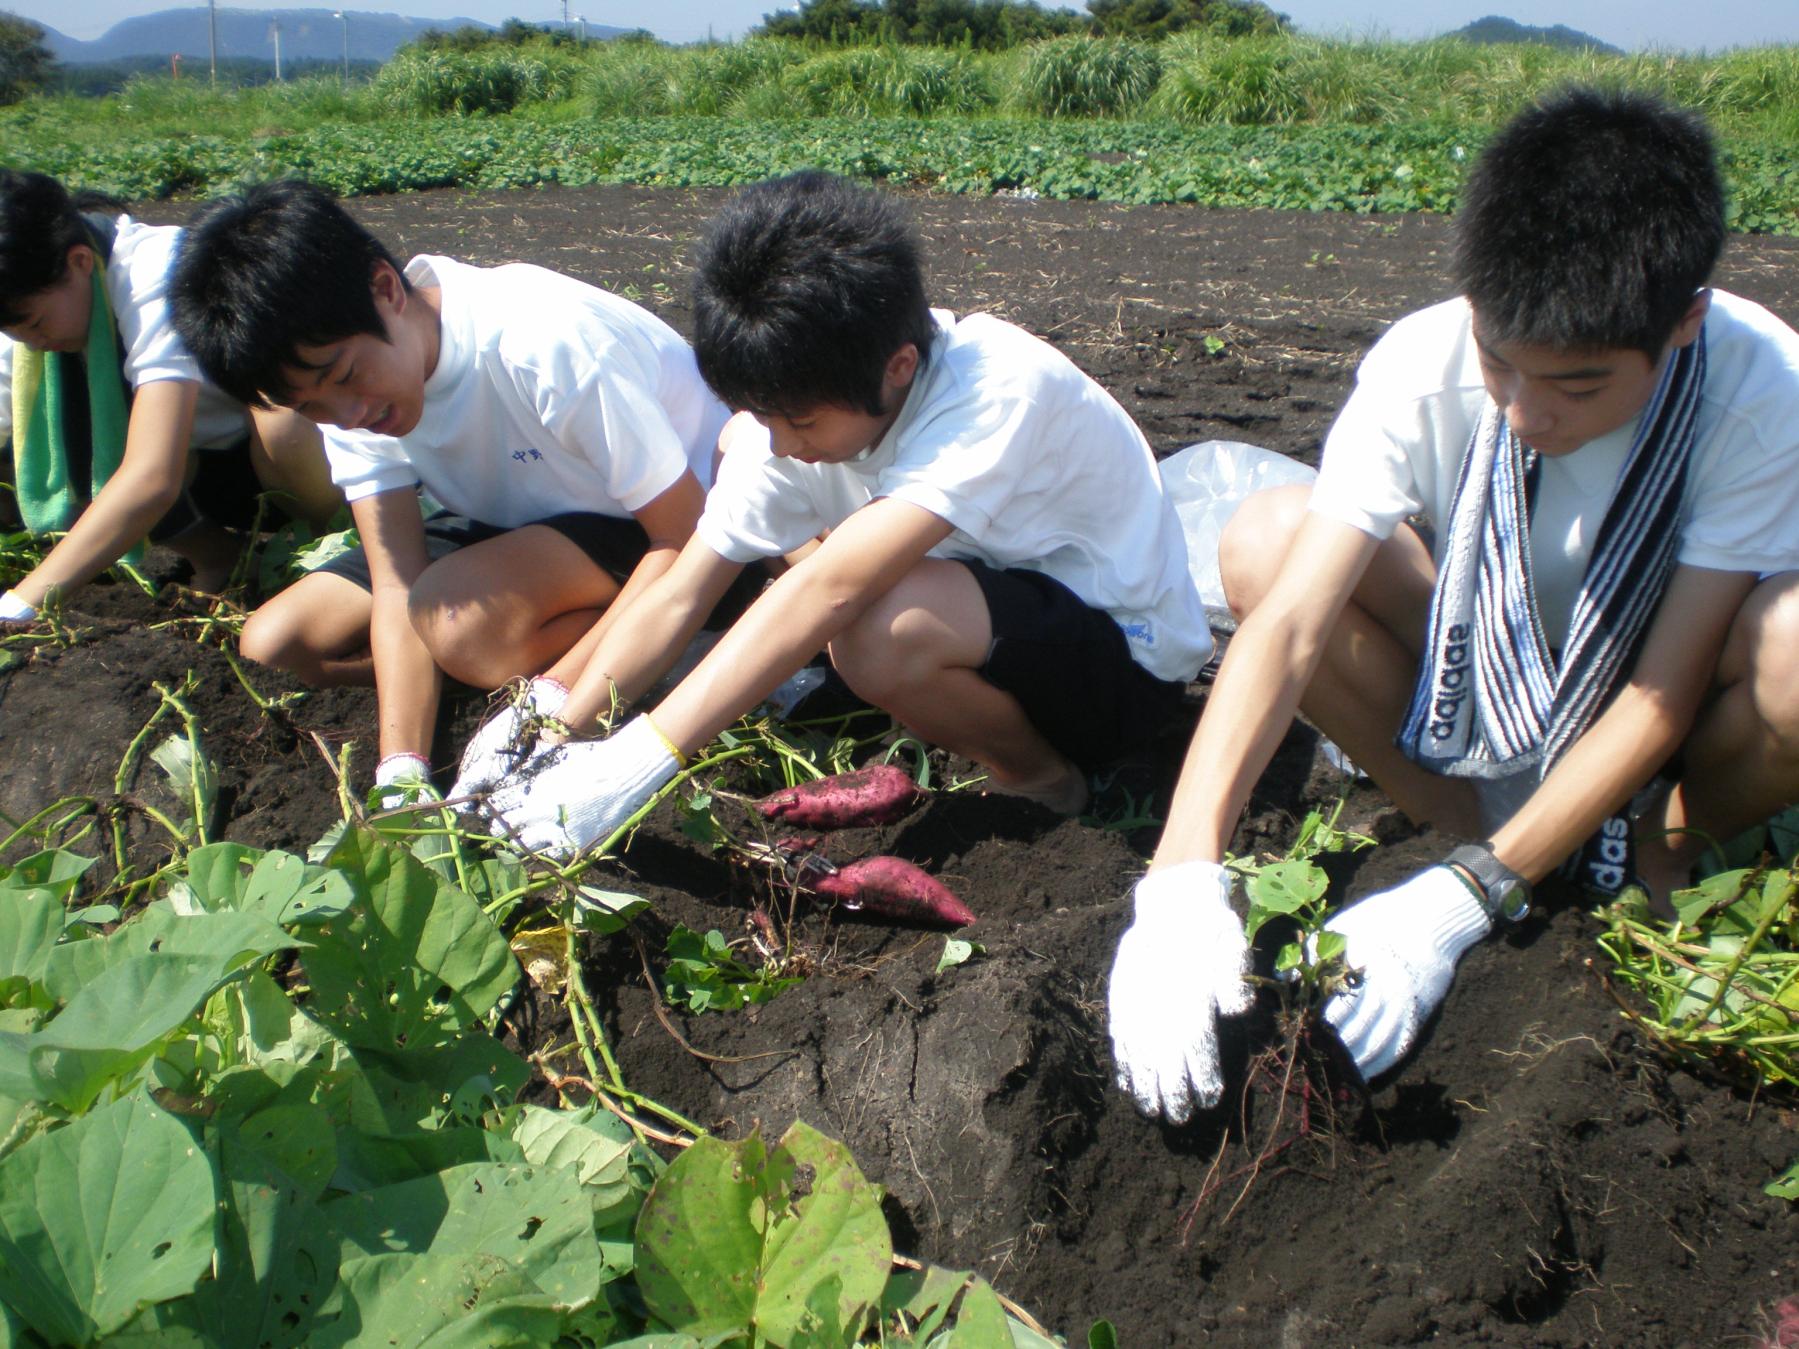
(1283,122)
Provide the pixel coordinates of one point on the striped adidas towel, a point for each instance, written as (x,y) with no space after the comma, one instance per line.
(1492,699)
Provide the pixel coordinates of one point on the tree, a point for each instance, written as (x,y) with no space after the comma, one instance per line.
(25,62)
(1154,19)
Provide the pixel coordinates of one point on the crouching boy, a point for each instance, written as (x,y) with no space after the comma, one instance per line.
(566,432)
(999,568)
(1607,451)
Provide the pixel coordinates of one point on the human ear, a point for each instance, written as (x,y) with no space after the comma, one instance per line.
(389,289)
(902,366)
(1686,332)
(81,260)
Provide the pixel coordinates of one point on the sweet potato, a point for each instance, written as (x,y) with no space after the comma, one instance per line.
(894,888)
(878,794)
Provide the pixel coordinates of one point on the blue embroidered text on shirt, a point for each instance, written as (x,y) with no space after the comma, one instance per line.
(523,455)
(1141,633)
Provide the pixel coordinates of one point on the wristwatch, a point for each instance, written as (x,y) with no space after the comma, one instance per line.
(1502,892)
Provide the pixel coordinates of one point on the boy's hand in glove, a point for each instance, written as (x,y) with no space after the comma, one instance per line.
(403,780)
(1179,967)
(574,795)
(506,739)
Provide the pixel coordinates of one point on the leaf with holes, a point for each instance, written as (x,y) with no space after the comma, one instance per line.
(412,961)
(533,1217)
(741,1236)
(102,1217)
(279,886)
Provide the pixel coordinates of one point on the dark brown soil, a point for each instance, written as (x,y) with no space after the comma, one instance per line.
(1536,1176)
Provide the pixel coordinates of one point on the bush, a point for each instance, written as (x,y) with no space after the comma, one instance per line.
(1088,77)
(485,80)
(879,81)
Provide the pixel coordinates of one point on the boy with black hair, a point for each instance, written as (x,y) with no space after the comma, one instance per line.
(116,439)
(1607,451)
(567,429)
(999,568)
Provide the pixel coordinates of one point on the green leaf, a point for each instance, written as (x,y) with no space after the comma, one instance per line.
(1286,887)
(30,925)
(102,1217)
(277,885)
(958,951)
(412,962)
(436,1299)
(533,1217)
(193,776)
(613,1167)
(55,870)
(228,941)
(603,912)
(1785,1185)
(1328,945)
(1102,1335)
(113,1025)
(735,1236)
(980,1320)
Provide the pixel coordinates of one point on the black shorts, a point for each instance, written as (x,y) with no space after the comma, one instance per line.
(1070,667)
(223,493)
(612,544)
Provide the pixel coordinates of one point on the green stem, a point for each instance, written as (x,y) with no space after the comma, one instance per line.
(1761,930)
(643,812)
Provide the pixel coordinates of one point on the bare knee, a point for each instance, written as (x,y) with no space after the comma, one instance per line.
(276,636)
(1759,655)
(1255,542)
(885,653)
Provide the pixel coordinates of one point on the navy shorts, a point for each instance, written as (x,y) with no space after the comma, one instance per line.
(1070,667)
(613,544)
(223,492)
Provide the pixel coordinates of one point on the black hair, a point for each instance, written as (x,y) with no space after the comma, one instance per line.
(263,273)
(1591,220)
(40,221)
(804,288)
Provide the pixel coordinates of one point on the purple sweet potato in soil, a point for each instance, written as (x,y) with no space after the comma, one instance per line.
(894,888)
(878,794)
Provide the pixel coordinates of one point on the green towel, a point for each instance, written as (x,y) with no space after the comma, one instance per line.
(48,500)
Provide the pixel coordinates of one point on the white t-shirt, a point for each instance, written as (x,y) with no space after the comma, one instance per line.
(549,396)
(1397,448)
(1034,465)
(137,283)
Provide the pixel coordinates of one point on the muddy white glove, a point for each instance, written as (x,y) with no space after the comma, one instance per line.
(1401,948)
(1179,967)
(572,796)
(15,610)
(403,780)
(507,738)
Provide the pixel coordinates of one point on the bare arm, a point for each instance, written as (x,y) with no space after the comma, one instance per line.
(1636,733)
(669,521)
(122,513)
(407,680)
(1270,662)
(861,560)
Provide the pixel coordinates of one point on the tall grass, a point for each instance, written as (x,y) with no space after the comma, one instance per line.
(493,79)
(1194,79)
(1088,77)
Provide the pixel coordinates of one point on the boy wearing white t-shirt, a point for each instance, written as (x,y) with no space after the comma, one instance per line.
(999,568)
(1607,452)
(116,438)
(566,429)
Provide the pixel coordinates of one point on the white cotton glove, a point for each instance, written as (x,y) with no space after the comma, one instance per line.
(1404,943)
(403,780)
(571,796)
(15,610)
(506,739)
(1179,967)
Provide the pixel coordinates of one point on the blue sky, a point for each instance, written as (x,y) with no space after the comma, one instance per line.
(1645,23)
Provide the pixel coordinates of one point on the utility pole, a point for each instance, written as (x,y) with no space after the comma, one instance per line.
(212,38)
(277,32)
(345,19)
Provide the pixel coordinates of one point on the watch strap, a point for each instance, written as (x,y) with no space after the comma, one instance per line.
(1502,892)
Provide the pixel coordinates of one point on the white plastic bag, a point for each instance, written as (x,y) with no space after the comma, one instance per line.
(1206,483)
